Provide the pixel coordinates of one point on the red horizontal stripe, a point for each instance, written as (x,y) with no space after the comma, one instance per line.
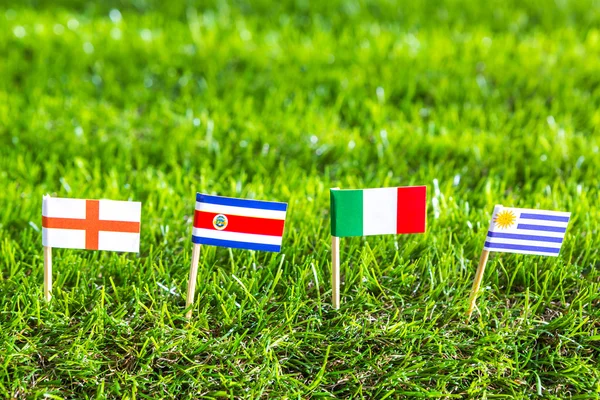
(241,224)
(82,224)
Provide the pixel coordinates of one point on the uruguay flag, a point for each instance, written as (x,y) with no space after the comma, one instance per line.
(526,231)
(238,223)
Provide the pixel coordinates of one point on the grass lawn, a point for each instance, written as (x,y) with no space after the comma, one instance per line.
(485,102)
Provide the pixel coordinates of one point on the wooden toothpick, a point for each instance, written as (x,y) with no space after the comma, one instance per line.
(192,280)
(477,282)
(47,273)
(335,272)
(335,269)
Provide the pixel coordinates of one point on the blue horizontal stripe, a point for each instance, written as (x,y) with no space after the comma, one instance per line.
(233,202)
(505,246)
(516,236)
(236,245)
(542,217)
(542,228)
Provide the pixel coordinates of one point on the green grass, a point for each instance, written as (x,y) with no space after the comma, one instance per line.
(484,102)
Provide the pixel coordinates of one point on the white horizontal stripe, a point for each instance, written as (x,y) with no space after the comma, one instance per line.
(243,211)
(112,210)
(542,223)
(522,252)
(518,211)
(57,207)
(63,238)
(527,232)
(238,237)
(524,242)
(119,241)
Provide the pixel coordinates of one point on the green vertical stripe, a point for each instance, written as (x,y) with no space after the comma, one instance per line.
(346,212)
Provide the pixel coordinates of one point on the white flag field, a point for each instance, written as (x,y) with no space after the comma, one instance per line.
(91,224)
(527,231)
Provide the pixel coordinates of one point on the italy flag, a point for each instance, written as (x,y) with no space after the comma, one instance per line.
(380,211)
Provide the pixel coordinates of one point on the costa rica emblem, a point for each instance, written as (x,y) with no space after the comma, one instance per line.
(220,222)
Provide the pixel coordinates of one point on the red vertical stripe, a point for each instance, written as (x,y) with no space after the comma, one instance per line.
(92,216)
(412,209)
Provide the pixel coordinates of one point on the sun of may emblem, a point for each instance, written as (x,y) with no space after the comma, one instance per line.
(220,222)
(505,219)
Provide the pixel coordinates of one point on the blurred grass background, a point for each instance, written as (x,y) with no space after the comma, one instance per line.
(485,102)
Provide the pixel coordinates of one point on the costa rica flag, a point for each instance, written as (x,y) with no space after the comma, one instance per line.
(238,223)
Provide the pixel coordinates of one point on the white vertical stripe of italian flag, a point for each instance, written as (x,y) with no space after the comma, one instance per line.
(380,211)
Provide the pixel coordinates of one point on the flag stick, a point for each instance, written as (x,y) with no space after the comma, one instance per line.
(192,281)
(477,282)
(47,273)
(335,271)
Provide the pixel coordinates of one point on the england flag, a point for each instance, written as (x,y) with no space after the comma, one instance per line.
(91,224)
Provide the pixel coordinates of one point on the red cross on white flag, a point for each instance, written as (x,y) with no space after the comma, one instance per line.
(91,224)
